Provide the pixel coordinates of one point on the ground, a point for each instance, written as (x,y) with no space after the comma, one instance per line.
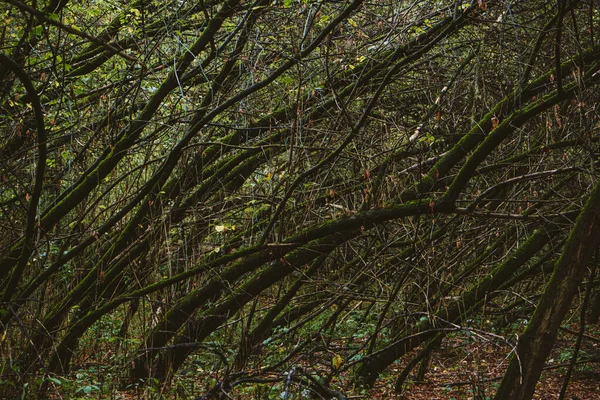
(458,370)
(466,366)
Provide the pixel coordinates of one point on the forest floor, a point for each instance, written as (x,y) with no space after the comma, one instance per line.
(473,371)
(464,367)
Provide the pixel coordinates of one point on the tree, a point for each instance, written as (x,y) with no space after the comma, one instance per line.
(220,179)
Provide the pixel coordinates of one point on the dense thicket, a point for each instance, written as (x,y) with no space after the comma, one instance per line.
(247,188)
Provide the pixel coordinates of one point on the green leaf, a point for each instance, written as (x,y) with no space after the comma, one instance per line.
(54,380)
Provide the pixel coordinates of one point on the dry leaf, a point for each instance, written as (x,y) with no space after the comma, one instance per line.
(495,122)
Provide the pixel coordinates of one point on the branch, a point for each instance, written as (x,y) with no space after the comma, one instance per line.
(42,17)
(39,175)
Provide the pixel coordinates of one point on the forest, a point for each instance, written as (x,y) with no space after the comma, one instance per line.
(299,199)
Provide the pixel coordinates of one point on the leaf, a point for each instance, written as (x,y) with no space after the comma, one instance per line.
(54,380)
(88,389)
(336,361)
(220,228)
(495,122)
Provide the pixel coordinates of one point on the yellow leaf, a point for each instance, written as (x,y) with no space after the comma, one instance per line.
(336,361)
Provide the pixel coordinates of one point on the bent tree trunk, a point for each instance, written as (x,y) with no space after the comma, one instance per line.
(534,346)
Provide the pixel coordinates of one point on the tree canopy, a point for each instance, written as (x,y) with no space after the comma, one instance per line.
(241,190)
